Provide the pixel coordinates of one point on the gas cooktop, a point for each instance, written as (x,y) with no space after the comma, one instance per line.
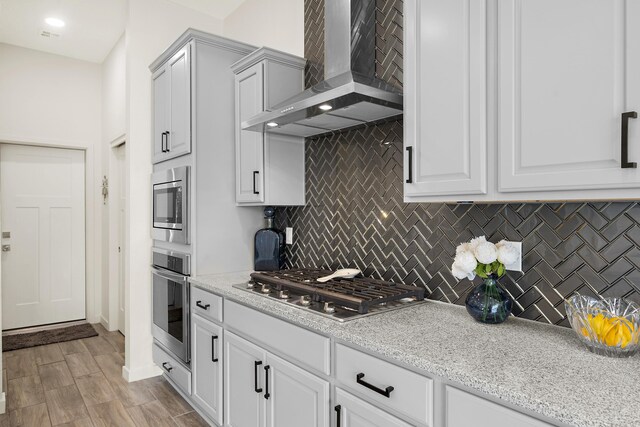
(339,299)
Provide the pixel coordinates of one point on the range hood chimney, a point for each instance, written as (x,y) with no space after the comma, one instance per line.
(351,94)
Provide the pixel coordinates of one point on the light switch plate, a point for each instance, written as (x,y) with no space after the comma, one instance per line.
(289,235)
(516,266)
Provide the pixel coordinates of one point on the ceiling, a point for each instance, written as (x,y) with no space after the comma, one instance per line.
(92,26)
(217,8)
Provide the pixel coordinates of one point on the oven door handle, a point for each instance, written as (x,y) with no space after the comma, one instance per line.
(166,274)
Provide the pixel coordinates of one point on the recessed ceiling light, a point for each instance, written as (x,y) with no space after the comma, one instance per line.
(325,107)
(272,124)
(54,22)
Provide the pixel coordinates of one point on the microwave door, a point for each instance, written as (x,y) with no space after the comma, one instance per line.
(167,205)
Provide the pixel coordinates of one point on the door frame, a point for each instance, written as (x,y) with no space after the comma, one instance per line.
(92,216)
(113,323)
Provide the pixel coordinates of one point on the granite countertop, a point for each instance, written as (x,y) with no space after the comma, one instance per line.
(538,367)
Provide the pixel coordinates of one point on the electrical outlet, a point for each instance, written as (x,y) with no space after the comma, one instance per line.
(289,235)
(516,266)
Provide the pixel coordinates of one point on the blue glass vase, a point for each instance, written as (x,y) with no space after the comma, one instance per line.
(489,302)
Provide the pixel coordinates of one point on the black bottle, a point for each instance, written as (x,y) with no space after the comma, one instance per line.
(269,245)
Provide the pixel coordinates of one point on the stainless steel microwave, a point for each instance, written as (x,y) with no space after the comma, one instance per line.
(171,205)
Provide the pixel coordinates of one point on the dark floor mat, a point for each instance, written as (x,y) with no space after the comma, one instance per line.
(51,336)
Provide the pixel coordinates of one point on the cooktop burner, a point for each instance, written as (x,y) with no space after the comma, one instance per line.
(340,299)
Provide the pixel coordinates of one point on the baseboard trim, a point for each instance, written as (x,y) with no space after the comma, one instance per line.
(3,403)
(140,373)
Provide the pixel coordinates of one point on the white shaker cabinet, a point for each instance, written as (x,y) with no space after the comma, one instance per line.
(567,73)
(243,383)
(521,100)
(263,390)
(445,111)
(206,365)
(464,409)
(172,107)
(269,168)
(351,411)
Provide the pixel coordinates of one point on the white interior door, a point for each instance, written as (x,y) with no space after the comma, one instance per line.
(121,201)
(43,225)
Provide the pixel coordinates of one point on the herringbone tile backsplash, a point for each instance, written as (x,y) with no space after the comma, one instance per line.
(355,215)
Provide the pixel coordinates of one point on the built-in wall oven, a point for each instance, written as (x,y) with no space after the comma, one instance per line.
(171,205)
(170,289)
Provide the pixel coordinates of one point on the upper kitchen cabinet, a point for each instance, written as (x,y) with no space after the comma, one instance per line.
(568,72)
(172,107)
(445,116)
(525,100)
(269,167)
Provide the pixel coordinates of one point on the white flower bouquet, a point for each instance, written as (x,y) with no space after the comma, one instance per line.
(483,258)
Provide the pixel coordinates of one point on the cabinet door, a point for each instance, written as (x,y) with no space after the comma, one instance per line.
(207,367)
(445,97)
(567,72)
(244,385)
(179,67)
(296,397)
(354,412)
(464,409)
(249,145)
(161,113)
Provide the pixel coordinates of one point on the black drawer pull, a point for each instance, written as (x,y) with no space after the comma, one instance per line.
(410,163)
(255,173)
(338,409)
(386,392)
(266,382)
(255,376)
(213,348)
(167,367)
(204,307)
(168,145)
(626,164)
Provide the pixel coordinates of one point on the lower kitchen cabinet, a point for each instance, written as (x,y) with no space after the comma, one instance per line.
(464,409)
(262,389)
(351,411)
(206,365)
(243,383)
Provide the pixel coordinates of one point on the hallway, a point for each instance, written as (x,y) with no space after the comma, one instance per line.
(79,383)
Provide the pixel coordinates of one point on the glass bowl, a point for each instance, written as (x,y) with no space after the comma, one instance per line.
(610,326)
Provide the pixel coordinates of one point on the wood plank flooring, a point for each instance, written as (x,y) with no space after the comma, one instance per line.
(79,383)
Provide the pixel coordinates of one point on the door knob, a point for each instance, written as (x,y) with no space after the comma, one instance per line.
(6,248)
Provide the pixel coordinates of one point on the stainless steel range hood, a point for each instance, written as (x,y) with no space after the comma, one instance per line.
(350,95)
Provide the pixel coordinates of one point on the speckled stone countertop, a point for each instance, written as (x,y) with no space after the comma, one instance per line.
(538,367)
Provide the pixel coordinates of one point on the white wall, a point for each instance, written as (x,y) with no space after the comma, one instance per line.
(153,25)
(278,24)
(51,100)
(114,123)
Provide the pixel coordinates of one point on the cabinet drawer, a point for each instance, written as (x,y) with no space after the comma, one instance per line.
(353,411)
(206,304)
(297,344)
(412,394)
(464,409)
(180,375)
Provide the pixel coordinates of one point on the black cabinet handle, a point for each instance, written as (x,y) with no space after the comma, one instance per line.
(168,143)
(266,382)
(626,164)
(255,376)
(410,162)
(255,173)
(386,392)
(213,348)
(163,142)
(204,307)
(167,367)
(338,409)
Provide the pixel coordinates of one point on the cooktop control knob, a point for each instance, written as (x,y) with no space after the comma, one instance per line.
(305,300)
(282,294)
(328,307)
(265,289)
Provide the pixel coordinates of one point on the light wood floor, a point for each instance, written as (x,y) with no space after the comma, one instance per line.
(79,383)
